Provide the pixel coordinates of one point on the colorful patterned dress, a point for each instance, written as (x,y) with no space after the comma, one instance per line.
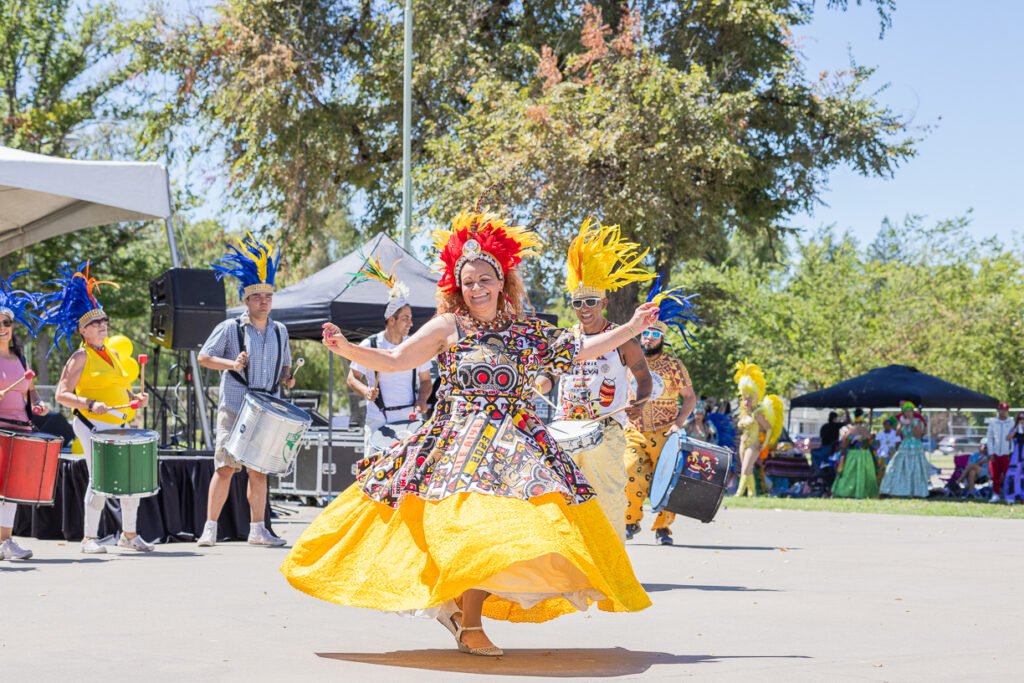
(909,473)
(480,497)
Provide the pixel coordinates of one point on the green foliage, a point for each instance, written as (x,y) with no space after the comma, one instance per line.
(889,506)
(930,297)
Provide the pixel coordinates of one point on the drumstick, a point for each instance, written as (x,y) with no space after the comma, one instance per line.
(134,405)
(543,397)
(29,375)
(298,364)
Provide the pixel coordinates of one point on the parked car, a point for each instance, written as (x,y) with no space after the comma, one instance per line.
(806,443)
(959,444)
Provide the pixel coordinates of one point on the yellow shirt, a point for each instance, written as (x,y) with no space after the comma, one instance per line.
(101,381)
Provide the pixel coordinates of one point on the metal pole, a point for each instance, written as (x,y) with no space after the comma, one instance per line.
(407,132)
(197,382)
(330,425)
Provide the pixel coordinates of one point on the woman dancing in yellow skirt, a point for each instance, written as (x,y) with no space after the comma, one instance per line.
(480,512)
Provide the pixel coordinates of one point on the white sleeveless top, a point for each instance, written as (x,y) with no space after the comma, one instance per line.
(594,387)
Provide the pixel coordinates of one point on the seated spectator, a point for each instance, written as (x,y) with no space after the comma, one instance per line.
(977,469)
(888,439)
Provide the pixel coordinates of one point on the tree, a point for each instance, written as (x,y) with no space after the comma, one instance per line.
(62,65)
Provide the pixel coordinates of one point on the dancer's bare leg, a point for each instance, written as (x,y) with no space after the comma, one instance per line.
(472,604)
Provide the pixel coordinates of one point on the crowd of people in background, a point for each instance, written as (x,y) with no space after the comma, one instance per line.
(856,462)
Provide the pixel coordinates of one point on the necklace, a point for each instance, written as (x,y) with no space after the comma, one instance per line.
(500,322)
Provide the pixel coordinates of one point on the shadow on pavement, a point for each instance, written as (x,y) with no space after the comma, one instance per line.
(717,547)
(83,560)
(4,570)
(568,663)
(662,587)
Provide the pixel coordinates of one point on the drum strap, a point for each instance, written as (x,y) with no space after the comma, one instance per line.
(20,423)
(379,401)
(277,363)
(86,421)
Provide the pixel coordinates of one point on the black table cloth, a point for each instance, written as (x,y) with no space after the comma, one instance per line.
(176,513)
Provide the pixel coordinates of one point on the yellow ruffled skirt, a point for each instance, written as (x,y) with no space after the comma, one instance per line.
(539,558)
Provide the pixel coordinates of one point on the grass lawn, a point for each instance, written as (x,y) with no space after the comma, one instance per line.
(889,506)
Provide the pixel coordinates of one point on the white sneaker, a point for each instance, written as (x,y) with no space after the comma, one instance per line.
(209,537)
(260,536)
(90,546)
(10,550)
(994,498)
(136,543)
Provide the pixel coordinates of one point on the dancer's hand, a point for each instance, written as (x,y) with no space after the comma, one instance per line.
(332,336)
(643,317)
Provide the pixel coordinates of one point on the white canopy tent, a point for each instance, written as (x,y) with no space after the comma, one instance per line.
(42,197)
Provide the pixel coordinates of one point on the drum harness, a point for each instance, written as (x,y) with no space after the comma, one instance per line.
(379,401)
(244,380)
(28,407)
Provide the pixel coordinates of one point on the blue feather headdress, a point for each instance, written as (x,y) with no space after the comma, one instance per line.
(75,304)
(252,262)
(19,305)
(674,310)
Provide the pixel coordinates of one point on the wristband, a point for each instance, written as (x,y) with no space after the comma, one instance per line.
(89,404)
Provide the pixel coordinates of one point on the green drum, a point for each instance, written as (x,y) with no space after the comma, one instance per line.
(124,462)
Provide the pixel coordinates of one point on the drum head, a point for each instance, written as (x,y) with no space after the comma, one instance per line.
(37,436)
(386,436)
(563,430)
(279,406)
(665,474)
(125,436)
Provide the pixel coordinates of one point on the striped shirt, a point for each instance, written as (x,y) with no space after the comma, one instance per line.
(263,353)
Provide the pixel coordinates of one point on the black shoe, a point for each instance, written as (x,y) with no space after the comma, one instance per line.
(664,536)
(631,531)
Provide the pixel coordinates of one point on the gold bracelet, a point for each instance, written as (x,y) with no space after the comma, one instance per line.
(632,329)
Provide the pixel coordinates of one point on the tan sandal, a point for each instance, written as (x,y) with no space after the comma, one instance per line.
(488,651)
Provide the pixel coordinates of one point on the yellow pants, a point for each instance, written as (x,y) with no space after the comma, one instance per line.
(604,468)
(642,451)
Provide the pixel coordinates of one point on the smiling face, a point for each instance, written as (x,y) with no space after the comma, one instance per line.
(651,340)
(590,312)
(400,322)
(480,289)
(95,333)
(6,329)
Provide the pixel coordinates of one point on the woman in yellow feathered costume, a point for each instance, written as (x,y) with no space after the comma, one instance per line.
(760,422)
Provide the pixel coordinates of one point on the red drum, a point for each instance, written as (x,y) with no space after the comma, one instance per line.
(28,467)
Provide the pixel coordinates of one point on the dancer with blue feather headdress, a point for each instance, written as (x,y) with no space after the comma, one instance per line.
(666,412)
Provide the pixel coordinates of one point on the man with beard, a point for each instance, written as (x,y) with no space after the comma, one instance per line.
(659,417)
(600,261)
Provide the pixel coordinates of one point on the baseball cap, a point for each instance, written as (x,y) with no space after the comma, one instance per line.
(1004,406)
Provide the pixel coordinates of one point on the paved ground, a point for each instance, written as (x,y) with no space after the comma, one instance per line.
(758,595)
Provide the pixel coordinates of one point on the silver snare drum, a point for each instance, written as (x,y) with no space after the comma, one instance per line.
(575,436)
(386,436)
(267,434)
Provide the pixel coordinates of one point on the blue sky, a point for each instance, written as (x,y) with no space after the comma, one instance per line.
(954,66)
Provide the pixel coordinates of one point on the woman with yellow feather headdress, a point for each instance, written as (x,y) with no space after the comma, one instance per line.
(600,260)
(760,422)
(479,512)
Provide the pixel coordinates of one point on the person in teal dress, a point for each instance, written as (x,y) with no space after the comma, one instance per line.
(909,473)
(858,474)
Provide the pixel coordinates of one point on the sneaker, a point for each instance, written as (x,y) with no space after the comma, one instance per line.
(90,546)
(664,536)
(10,550)
(994,498)
(135,543)
(260,536)
(209,537)
(631,531)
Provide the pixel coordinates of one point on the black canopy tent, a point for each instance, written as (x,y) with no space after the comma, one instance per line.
(358,309)
(887,387)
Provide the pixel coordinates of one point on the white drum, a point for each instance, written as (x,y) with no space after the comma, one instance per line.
(267,434)
(575,436)
(386,436)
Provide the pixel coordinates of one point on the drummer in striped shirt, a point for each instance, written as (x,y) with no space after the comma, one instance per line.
(600,261)
(253,353)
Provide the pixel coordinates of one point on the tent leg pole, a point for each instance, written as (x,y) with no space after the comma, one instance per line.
(197,381)
(330,425)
